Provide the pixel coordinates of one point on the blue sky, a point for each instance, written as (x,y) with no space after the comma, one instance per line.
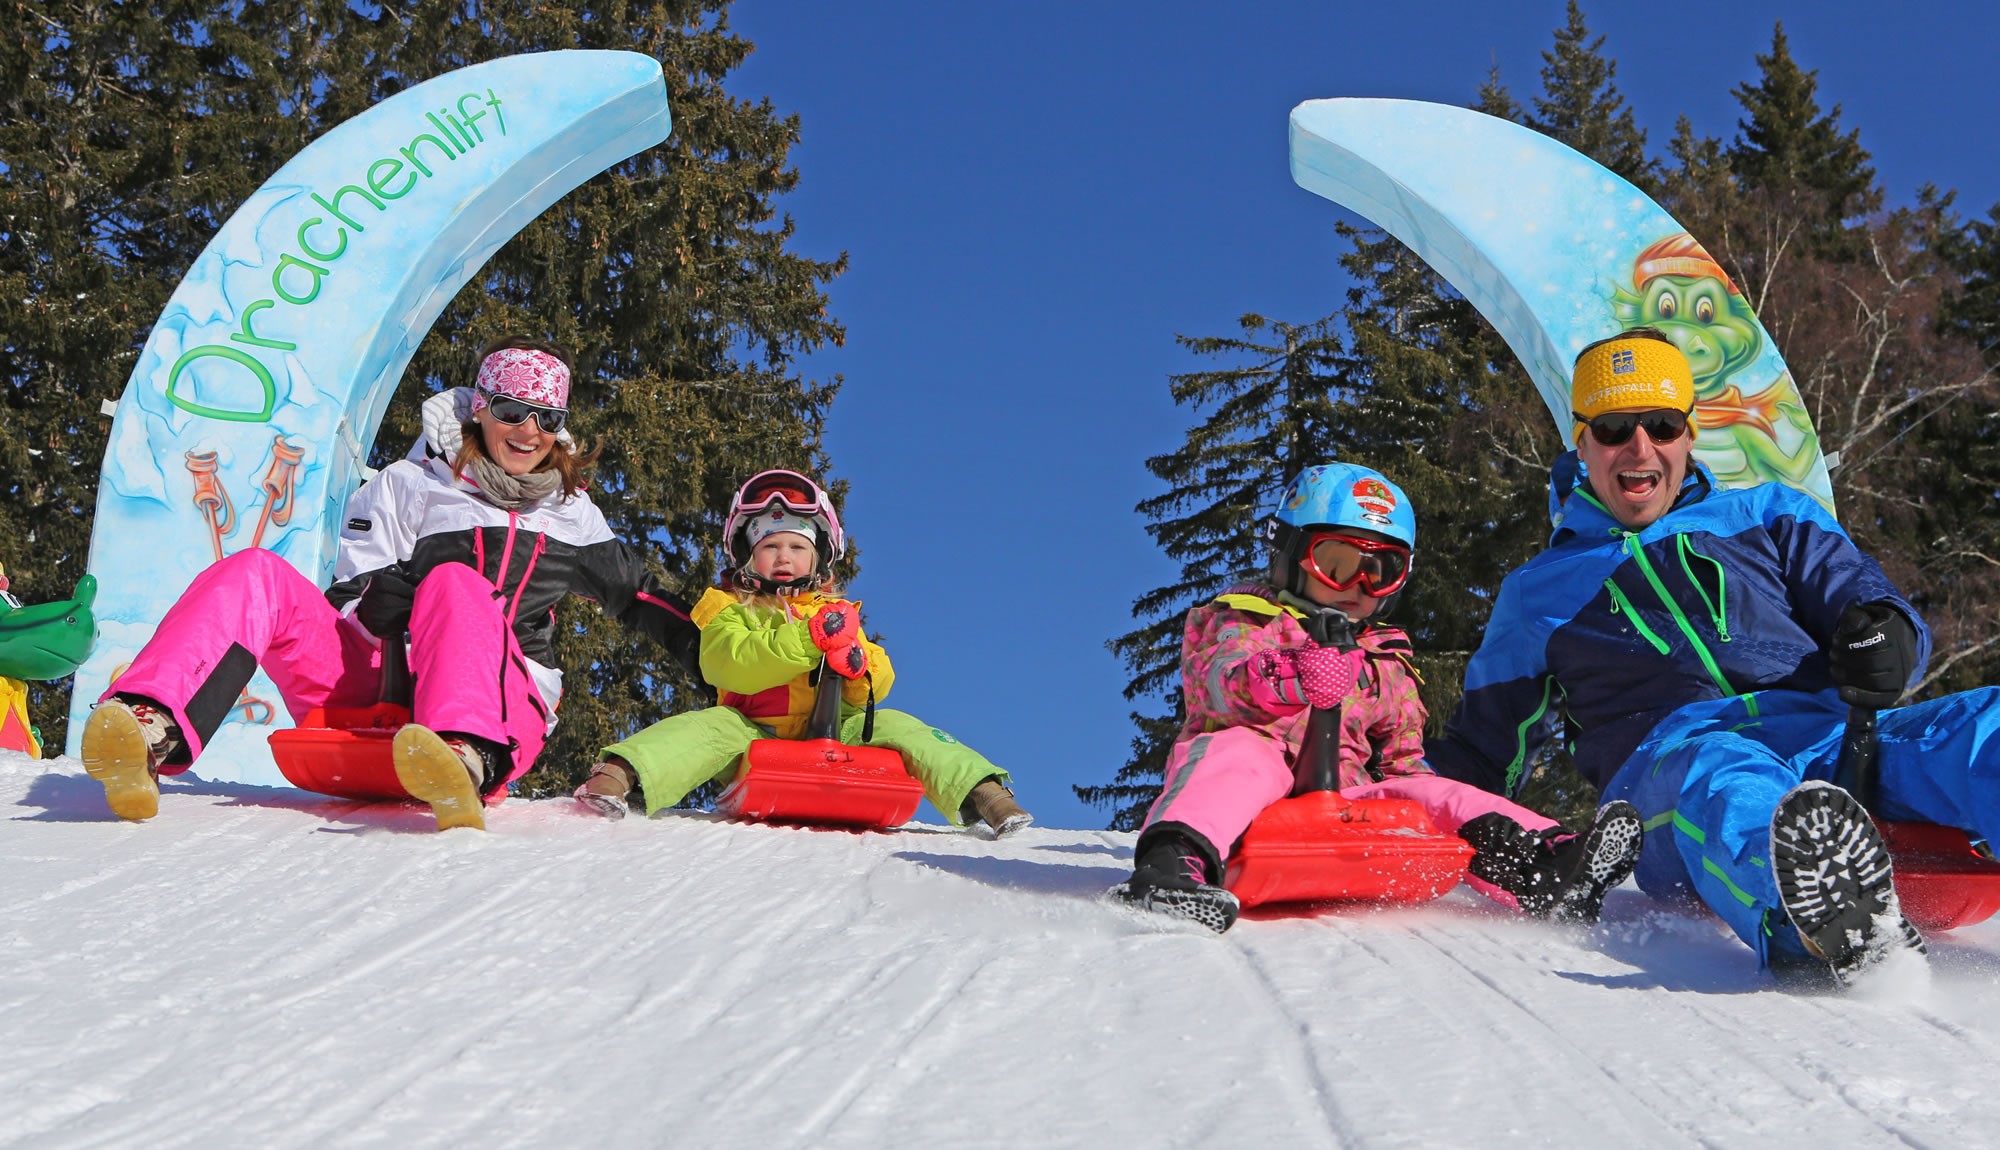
(1037,197)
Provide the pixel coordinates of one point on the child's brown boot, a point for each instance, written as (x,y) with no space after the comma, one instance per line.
(993,804)
(603,793)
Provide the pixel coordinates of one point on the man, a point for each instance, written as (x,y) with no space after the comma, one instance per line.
(1707,645)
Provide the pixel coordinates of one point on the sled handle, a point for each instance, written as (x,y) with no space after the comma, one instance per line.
(825,721)
(1857,772)
(396,686)
(1317,767)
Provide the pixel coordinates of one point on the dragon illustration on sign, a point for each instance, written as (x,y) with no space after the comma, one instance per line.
(1752,431)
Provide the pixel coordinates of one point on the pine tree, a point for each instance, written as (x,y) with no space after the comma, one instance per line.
(1580,104)
(1268,415)
(1800,158)
(1973,312)
(1495,99)
(128,133)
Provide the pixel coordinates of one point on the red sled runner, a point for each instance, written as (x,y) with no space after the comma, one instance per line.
(821,781)
(1942,879)
(1317,846)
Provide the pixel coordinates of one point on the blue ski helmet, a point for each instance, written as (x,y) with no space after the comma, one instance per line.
(1336,495)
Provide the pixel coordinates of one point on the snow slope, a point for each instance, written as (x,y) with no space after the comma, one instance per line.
(263,968)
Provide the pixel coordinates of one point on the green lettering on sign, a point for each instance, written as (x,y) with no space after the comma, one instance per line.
(206,412)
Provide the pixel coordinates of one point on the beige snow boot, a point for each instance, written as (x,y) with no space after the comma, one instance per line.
(994,805)
(445,774)
(603,793)
(124,743)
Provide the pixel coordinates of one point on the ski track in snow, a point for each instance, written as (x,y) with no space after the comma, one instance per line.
(265,968)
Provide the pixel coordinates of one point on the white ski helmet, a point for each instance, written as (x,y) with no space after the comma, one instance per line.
(782,494)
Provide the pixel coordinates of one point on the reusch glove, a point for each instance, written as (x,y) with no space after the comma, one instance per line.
(837,625)
(1874,653)
(385,603)
(849,662)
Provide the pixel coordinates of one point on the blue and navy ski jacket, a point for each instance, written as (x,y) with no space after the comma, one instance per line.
(1728,593)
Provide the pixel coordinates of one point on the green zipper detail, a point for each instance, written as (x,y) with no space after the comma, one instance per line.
(1638,552)
(1620,603)
(1718,610)
(1521,737)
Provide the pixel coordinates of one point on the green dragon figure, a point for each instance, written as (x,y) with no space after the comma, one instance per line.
(1766,435)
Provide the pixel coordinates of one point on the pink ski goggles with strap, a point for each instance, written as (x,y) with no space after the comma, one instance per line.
(796,494)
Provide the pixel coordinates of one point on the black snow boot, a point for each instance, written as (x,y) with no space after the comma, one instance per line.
(1834,876)
(1170,877)
(1554,873)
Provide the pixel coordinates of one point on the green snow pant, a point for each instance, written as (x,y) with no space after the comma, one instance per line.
(681,752)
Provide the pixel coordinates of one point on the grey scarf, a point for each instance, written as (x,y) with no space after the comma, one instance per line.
(511,492)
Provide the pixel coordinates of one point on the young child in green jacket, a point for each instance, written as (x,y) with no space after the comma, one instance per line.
(762,634)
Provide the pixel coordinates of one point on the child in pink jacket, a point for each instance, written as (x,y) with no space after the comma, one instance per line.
(1342,539)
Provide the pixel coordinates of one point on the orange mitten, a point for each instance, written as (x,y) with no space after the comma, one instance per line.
(837,625)
(850,661)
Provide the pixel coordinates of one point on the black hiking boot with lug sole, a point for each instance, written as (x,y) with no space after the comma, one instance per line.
(1553,873)
(1588,869)
(1834,876)
(1170,879)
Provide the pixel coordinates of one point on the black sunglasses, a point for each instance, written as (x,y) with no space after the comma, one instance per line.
(512,412)
(1662,424)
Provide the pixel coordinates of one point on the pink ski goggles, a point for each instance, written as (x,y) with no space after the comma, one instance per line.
(796,494)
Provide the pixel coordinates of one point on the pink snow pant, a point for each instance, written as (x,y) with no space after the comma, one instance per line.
(1216,783)
(254,610)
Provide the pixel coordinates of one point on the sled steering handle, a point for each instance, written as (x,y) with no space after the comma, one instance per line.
(825,721)
(396,670)
(1857,772)
(1318,766)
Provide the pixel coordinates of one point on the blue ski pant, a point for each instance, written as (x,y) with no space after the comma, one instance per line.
(1707,779)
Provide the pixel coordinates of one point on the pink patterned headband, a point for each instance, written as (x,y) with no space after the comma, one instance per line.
(526,374)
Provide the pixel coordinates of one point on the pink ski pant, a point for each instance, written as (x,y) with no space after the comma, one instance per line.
(254,610)
(1218,782)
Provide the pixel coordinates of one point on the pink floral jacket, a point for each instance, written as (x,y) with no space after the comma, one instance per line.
(1382,718)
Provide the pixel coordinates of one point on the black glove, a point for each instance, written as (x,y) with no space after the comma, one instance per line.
(385,603)
(1874,653)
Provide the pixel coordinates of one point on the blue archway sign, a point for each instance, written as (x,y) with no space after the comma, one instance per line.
(1556,251)
(248,418)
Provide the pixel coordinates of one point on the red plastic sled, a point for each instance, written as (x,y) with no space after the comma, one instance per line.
(1941,880)
(1319,846)
(821,780)
(343,751)
(1322,847)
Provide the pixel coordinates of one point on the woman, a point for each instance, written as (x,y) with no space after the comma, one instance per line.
(467,545)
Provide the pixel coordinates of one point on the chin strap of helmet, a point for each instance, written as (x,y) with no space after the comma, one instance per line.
(750,581)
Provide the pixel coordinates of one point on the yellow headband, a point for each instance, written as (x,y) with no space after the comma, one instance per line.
(1630,375)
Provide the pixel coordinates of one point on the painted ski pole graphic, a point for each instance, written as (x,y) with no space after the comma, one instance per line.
(211,498)
(279,484)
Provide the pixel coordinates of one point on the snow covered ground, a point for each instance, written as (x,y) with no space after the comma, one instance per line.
(263,968)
